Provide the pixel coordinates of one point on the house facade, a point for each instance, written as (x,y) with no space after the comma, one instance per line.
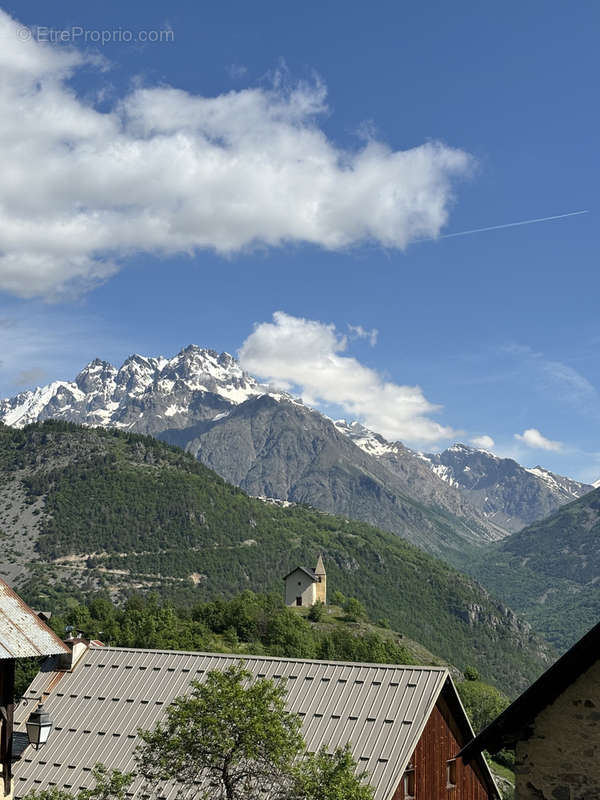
(305,587)
(554,727)
(405,724)
(22,635)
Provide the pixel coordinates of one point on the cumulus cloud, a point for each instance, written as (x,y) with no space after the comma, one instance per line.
(483,442)
(167,171)
(308,356)
(533,438)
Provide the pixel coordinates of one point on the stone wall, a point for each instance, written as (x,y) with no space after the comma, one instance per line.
(561,759)
(321,589)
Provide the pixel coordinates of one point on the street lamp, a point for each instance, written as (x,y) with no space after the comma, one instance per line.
(38,727)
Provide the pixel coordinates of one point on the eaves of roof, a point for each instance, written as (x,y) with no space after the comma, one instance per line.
(22,632)
(513,723)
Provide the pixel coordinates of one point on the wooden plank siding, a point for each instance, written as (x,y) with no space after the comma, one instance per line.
(7,702)
(439,744)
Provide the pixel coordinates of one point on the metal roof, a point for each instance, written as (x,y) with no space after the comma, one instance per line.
(98,707)
(22,632)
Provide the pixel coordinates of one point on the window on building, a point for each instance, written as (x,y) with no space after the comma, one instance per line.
(408,784)
(451,774)
(298,601)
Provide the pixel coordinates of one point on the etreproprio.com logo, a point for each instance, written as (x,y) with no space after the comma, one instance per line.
(77,34)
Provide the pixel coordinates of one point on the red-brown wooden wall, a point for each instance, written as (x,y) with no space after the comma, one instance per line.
(439,743)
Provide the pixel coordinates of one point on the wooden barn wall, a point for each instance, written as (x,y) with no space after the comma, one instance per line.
(439,743)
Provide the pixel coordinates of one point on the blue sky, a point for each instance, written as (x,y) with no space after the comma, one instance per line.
(499,329)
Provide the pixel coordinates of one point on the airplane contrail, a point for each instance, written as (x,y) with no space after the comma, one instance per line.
(506,225)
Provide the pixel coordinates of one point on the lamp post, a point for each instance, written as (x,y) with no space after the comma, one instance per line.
(38,727)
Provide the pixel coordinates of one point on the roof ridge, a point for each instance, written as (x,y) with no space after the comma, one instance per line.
(255,657)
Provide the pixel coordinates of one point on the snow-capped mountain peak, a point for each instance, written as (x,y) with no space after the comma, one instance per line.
(193,385)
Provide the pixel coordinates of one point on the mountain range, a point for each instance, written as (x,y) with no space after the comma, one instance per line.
(271,444)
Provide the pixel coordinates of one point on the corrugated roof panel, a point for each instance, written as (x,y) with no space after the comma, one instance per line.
(22,632)
(112,692)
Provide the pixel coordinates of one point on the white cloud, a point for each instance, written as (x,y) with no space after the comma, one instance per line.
(166,171)
(483,442)
(358,332)
(566,384)
(533,438)
(306,355)
(237,71)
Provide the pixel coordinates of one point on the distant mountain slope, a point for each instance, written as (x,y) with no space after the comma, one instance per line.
(282,449)
(104,508)
(503,490)
(498,490)
(550,571)
(205,402)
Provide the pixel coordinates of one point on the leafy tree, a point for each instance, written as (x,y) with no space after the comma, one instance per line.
(109,785)
(337,598)
(25,671)
(317,610)
(50,794)
(322,776)
(482,703)
(471,673)
(237,737)
(354,609)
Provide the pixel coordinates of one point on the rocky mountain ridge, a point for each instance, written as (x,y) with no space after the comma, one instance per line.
(144,395)
(504,492)
(278,447)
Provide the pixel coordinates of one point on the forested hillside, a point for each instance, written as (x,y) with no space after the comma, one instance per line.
(550,571)
(99,508)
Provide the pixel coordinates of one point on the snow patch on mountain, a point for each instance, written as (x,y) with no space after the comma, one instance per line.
(372,443)
(557,483)
(443,472)
(26,407)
